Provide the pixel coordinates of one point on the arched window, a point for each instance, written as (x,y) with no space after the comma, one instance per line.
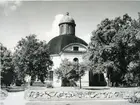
(76,60)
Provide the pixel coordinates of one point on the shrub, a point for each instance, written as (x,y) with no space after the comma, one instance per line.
(49,84)
(19,82)
(134,99)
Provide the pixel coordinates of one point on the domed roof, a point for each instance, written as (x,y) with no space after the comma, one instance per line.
(67,19)
(58,43)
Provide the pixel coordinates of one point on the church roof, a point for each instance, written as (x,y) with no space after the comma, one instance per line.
(67,19)
(58,43)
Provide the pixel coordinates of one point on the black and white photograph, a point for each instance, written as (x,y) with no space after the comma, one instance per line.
(66,52)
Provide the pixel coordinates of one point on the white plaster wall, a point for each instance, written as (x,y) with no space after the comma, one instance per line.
(71,56)
(85,79)
(70,47)
(56,61)
(82,49)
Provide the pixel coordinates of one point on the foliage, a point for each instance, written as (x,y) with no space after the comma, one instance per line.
(32,58)
(70,72)
(7,68)
(49,84)
(134,99)
(114,46)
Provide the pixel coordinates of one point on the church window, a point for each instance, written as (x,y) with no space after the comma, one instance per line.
(75,48)
(75,59)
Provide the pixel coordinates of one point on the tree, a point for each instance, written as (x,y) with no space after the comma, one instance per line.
(70,72)
(114,46)
(32,58)
(7,67)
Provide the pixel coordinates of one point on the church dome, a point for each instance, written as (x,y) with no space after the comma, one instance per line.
(67,19)
(58,43)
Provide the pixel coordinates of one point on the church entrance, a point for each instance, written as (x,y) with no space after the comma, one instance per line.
(96,79)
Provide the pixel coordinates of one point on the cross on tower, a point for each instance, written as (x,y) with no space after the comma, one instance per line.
(67,13)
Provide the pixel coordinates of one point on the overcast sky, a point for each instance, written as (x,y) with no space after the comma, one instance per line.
(21,18)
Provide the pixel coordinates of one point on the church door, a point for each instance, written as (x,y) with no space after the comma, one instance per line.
(96,79)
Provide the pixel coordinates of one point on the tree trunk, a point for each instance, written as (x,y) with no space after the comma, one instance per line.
(32,80)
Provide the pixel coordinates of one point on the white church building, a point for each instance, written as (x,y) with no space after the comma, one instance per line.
(67,45)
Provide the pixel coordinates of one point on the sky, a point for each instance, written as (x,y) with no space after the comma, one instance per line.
(19,19)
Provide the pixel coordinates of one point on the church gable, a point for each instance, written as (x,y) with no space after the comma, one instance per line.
(75,47)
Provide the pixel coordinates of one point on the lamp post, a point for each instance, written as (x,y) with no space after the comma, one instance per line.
(79,74)
(28,80)
(77,64)
(80,80)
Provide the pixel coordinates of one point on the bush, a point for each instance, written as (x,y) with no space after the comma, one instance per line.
(134,99)
(19,82)
(49,84)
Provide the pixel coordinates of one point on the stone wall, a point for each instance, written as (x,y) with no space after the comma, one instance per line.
(78,94)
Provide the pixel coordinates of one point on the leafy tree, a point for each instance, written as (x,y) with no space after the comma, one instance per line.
(7,68)
(70,72)
(32,58)
(114,46)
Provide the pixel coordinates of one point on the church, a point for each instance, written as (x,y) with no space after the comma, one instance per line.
(67,46)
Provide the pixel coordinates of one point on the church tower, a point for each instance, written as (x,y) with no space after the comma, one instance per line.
(67,25)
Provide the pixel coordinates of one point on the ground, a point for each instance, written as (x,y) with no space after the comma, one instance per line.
(17,98)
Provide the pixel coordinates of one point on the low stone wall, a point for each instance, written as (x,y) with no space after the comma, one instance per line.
(39,95)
